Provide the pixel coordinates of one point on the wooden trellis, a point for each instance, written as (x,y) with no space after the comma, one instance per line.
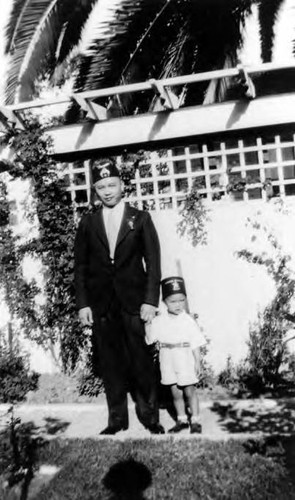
(245,168)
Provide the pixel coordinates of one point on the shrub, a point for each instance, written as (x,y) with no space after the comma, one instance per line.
(16,380)
(231,377)
(267,352)
(267,344)
(17,446)
(89,384)
(208,378)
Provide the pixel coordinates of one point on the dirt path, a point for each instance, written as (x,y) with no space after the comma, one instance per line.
(220,420)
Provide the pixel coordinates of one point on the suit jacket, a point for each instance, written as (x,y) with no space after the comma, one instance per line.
(97,277)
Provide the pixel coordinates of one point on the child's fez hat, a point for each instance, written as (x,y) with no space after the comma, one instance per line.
(102,169)
(172,285)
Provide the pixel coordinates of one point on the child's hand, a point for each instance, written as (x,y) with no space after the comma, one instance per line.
(198,371)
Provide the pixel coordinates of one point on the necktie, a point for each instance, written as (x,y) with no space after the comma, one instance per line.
(112,232)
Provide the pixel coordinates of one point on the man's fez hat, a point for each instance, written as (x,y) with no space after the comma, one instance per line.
(172,285)
(102,169)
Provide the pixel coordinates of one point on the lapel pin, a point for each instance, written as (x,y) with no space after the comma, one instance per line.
(131,222)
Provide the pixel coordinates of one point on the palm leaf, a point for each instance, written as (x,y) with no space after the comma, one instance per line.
(109,54)
(74,24)
(32,36)
(27,26)
(188,36)
(268,11)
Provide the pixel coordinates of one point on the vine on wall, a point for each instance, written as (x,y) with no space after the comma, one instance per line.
(194,217)
(12,283)
(55,320)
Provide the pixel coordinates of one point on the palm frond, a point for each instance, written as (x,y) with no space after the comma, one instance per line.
(219,38)
(110,53)
(26,26)
(32,36)
(18,9)
(152,39)
(267,13)
(73,27)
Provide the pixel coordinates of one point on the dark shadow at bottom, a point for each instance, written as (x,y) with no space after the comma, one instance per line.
(127,480)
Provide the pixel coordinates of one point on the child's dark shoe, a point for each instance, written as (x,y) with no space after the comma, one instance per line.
(196,428)
(179,426)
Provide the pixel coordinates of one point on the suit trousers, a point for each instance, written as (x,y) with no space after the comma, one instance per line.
(126,365)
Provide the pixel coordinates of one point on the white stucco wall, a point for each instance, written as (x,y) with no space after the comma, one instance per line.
(225,291)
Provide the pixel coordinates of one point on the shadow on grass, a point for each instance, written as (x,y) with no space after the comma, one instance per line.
(278,448)
(276,423)
(144,469)
(127,480)
(54,425)
(279,419)
(19,448)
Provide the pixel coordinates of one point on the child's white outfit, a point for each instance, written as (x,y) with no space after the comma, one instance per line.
(177,336)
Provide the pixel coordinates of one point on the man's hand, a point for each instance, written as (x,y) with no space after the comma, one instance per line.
(147,312)
(85,316)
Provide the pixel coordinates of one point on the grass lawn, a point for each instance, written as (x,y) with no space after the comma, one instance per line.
(154,469)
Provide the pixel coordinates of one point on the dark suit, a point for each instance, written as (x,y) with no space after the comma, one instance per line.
(115,291)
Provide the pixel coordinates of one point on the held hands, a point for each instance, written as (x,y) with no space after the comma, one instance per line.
(85,316)
(147,313)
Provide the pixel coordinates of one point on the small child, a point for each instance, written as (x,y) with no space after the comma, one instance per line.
(179,339)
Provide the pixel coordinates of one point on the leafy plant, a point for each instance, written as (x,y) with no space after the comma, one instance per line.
(267,344)
(17,448)
(129,163)
(16,380)
(194,216)
(207,379)
(236,184)
(231,377)
(54,321)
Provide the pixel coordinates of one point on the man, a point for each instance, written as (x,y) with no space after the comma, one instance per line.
(117,294)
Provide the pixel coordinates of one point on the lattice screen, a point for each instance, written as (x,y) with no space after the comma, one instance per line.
(248,168)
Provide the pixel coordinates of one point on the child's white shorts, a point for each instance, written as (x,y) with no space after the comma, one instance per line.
(177,366)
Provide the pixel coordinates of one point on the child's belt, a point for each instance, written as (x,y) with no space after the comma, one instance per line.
(171,346)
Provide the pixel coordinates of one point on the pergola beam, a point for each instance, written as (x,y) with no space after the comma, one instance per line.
(151,129)
(149,85)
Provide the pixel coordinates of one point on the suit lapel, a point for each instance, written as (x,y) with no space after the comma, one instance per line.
(127,224)
(100,229)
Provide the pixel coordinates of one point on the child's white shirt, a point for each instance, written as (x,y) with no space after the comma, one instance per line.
(178,337)
(174,329)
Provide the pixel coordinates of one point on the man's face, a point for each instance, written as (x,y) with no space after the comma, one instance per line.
(109,191)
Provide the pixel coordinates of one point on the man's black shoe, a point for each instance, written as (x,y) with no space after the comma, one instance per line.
(156,429)
(179,426)
(113,429)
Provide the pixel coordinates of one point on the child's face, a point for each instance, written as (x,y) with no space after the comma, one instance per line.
(175,303)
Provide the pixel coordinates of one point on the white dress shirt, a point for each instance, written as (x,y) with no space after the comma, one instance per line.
(112,218)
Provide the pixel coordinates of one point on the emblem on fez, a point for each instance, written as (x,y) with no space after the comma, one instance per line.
(175,285)
(104,173)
